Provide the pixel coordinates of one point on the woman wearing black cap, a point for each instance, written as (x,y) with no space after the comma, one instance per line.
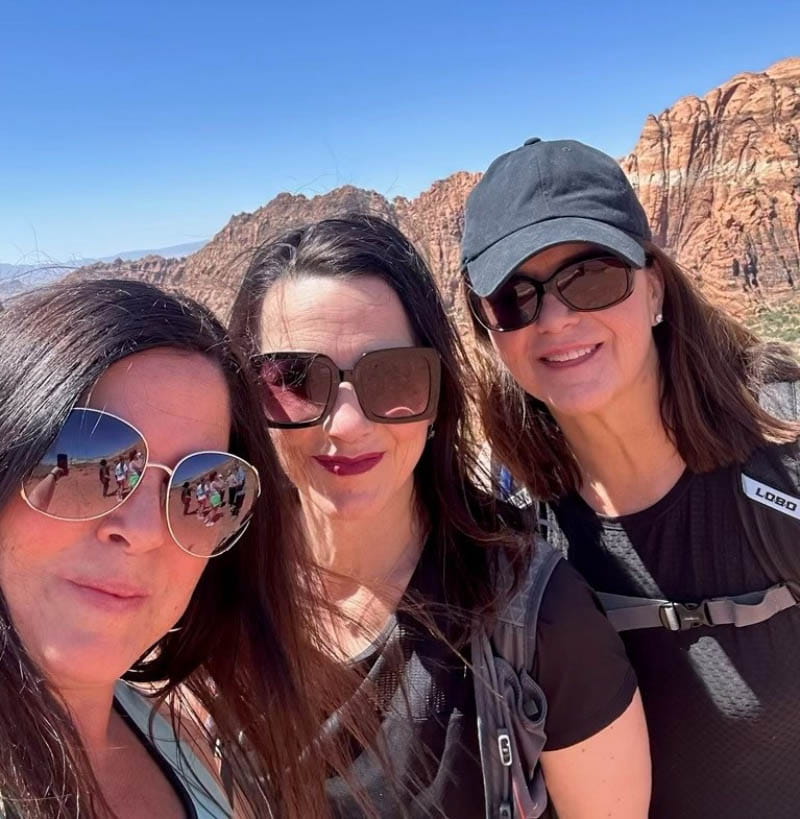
(659,437)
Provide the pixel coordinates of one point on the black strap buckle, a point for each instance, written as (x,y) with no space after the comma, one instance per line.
(684,616)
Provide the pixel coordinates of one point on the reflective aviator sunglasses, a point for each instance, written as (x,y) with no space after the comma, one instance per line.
(97,462)
(393,386)
(584,285)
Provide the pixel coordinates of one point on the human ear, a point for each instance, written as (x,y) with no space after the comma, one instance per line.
(655,290)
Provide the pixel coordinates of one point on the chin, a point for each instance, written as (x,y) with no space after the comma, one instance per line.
(347,506)
(578,400)
(79,663)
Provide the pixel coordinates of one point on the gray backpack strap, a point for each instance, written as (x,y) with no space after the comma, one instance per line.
(629,613)
(510,706)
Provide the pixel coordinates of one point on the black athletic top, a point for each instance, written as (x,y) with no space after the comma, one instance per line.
(723,704)
(432,735)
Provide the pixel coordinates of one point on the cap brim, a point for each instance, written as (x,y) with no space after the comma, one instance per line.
(489,270)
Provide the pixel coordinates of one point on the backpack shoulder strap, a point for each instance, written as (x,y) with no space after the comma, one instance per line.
(767,496)
(510,706)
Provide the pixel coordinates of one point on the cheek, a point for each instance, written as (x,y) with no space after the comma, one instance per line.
(409,444)
(30,543)
(181,574)
(513,350)
(630,325)
(294,448)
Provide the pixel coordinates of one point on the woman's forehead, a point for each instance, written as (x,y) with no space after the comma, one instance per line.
(334,315)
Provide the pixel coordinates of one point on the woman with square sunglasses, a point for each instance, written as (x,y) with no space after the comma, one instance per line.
(633,408)
(362,380)
(100,585)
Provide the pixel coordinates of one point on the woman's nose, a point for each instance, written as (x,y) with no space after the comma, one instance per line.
(139,524)
(346,419)
(554,315)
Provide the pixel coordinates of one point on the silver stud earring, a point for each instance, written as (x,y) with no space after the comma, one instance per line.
(658,319)
(431,432)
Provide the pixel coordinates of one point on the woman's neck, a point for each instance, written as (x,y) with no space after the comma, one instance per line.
(626,457)
(366,550)
(90,708)
(366,565)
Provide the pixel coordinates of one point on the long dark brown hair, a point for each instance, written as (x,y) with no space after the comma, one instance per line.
(712,369)
(462,518)
(243,647)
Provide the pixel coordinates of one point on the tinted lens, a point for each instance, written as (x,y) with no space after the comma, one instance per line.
(92,466)
(513,306)
(295,389)
(594,284)
(396,383)
(211,497)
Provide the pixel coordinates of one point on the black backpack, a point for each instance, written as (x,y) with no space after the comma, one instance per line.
(767,493)
(510,705)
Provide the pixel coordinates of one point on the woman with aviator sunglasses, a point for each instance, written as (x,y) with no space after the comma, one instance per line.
(648,422)
(361,379)
(100,585)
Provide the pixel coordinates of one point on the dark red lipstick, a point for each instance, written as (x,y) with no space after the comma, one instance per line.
(339,465)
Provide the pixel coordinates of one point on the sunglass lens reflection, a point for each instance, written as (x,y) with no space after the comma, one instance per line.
(92,466)
(594,284)
(512,307)
(211,497)
(395,384)
(294,390)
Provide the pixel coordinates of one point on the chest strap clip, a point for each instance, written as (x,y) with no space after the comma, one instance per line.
(630,613)
(684,616)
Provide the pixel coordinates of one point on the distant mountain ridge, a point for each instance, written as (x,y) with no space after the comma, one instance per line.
(16,278)
(719,177)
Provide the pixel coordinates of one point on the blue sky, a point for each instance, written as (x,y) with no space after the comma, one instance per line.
(148,124)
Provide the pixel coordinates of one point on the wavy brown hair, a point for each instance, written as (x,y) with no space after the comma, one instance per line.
(244,648)
(712,369)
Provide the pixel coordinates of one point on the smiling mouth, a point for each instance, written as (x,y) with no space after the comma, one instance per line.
(570,357)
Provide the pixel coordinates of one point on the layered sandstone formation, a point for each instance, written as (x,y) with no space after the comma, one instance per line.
(719,177)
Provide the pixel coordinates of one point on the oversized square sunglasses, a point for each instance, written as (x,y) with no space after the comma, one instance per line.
(97,462)
(393,386)
(584,285)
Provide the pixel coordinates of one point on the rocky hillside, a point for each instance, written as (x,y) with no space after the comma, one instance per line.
(719,177)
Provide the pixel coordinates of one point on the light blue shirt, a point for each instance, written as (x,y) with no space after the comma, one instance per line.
(203,790)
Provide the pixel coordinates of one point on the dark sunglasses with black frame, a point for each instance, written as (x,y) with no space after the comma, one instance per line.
(398,385)
(584,285)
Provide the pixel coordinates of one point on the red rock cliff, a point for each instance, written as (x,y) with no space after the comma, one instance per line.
(719,177)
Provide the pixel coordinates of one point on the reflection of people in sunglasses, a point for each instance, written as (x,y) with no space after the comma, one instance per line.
(97,586)
(42,493)
(186,497)
(121,476)
(236,490)
(135,467)
(640,412)
(104,473)
(410,541)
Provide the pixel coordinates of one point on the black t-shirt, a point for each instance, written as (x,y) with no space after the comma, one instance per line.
(722,704)
(428,719)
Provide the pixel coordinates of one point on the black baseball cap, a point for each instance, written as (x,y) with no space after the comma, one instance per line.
(546,193)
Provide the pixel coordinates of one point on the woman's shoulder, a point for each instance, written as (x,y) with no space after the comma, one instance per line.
(180,741)
(580,662)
